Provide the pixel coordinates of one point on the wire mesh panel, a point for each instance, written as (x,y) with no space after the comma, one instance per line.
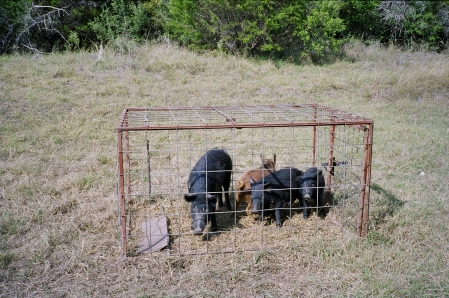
(158,147)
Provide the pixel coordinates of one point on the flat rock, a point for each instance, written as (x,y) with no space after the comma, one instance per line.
(154,234)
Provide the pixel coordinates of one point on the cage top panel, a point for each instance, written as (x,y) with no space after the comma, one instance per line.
(214,117)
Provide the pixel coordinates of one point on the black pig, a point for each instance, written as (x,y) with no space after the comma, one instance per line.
(312,189)
(276,188)
(210,176)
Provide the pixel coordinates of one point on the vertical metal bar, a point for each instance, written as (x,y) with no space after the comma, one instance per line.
(232,186)
(314,139)
(149,186)
(362,217)
(147,153)
(180,195)
(121,179)
(128,164)
(369,149)
(330,164)
(127,177)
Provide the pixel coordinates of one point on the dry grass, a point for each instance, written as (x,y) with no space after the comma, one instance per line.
(58,224)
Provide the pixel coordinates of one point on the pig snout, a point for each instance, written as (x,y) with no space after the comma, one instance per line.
(198,226)
(199,219)
(198,231)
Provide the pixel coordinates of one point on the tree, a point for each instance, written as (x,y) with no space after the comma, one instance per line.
(362,19)
(136,20)
(51,25)
(416,22)
(321,29)
(287,28)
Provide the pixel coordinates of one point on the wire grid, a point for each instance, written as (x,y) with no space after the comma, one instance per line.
(232,116)
(158,163)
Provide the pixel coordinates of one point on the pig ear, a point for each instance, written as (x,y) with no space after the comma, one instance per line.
(189,197)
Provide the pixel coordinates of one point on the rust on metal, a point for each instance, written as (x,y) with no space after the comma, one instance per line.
(363,217)
(121,189)
(225,117)
(367,172)
(324,148)
(330,164)
(314,139)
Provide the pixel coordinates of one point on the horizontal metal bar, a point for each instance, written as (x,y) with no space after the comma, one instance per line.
(239,126)
(274,116)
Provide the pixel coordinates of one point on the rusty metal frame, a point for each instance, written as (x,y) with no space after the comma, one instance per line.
(308,115)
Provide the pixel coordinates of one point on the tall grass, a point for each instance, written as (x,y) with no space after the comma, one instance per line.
(59,234)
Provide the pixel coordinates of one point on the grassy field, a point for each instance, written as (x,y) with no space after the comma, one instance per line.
(59,235)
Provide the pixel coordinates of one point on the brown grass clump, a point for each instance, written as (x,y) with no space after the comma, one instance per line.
(59,234)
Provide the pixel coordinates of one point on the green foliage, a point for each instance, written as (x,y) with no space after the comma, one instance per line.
(275,28)
(121,18)
(225,25)
(416,22)
(11,22)
(9,225)
(362,19)
(51,25)
(293,29)
(73,41)
(320,29)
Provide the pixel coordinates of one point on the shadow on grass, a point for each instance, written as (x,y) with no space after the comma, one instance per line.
(386,204)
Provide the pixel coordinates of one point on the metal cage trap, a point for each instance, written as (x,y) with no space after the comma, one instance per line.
(158,147)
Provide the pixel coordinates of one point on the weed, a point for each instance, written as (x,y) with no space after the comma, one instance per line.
(6,259)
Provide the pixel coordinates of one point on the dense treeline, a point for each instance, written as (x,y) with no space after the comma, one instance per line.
(293,29)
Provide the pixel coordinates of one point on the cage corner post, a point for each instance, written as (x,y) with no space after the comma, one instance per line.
(121,192)
(330,165)
(363,214)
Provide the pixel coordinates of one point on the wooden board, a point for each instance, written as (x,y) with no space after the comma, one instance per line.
(155,234)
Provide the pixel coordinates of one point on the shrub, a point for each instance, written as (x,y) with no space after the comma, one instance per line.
(285,28)
(416,22)
(135,21)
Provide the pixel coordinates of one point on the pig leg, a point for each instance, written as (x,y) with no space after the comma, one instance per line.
(247,197)
(213,223)
(277,213)
(220,200)
(305,211)
(226,184)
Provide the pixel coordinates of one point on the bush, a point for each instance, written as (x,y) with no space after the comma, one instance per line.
(321,30)
(135,21)
(288,28)
(413,23)
(362,19)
